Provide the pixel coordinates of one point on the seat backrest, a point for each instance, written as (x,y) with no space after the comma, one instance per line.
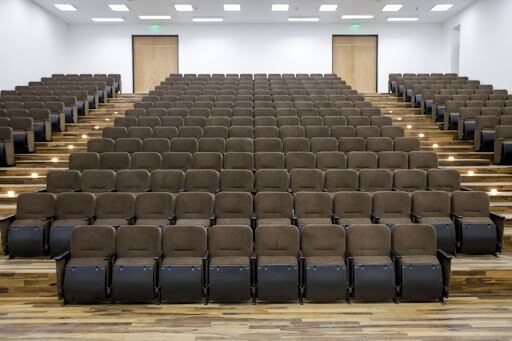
(75,205)
(374,180)
(340,180)
(309,180)
(154,205)
(190,205)
(277,240)
(323,240)
(236,180)
(230,240)
(414,240)
(98,180)
(35,205)
(352,204)
(361,160)
(391,204)
(138,241)
(202,180)
(393,160)
(406,144)
(423,160)
(184,241)
(128,145)
(233,205)
(470,203)
(238,160)
(271,180)
(95,241)
(443,179)
(431,204)
(273,205)
(177,160)
(368,240)
(100,145)
(167,180)
(313,205)
(132,180)
(59,181)
(410,180)
(146,160)
(115,205)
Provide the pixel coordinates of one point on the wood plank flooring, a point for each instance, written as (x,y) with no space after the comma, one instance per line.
(463,318)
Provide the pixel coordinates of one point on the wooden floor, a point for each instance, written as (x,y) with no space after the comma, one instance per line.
(463,318)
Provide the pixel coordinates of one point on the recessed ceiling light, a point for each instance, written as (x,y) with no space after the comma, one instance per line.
(441,7)
(232,7)
(303,19)
(280,7)
(328,8)
(357,16)
(107,19)
(184,8)
(207,19)
(392,8)
(119,8)
(66,7)
(155,17)
(403,19)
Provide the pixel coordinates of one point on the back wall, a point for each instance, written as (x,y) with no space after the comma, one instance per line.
(256,48)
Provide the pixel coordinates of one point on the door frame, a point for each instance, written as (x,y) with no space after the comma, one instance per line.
(376,59)
(151,35)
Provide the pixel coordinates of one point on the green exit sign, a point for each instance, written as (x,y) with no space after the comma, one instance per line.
(355,27)
(154,28)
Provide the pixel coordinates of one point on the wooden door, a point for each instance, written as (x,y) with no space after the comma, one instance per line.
(354,59)
(154,58)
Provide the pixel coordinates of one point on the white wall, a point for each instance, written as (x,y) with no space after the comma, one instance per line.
(33,43)
(252,48)
(485,42)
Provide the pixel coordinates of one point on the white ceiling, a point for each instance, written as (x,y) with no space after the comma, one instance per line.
(253,11)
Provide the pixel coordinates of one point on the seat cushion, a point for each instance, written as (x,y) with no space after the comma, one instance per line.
(395,221)
(435,220)
(233,221)
(325,260)
(194,222)
(273,221)
(154,222)
(420,259)
(127,261)
(69,222)
(214,261)
(111,222)
(476,220)
(196,261)
(29,222)
(96,261)
(354,221)
(308,221)
(277,260)
(372,260)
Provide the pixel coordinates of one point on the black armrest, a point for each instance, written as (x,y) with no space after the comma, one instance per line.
(431,189)
(131,220)
(212,219)
(63,256)
(89,220)
(466,189)
(290,190)
(334,218)
(172,219)
(41,191)
(374,218)
(416,217)
(294,218)
(253,221)
(49,218)
(456,216)
(395,189)
(159,257)
(359,189)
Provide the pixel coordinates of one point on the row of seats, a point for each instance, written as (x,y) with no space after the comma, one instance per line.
(260,144)
(44,221)
(245,160)
(251,113)
(239,133)
(422,93)
(281,263)
(256,76)
(221,94)
(192,102)
(243,180)
(247,121)
(18,131)
(60,114)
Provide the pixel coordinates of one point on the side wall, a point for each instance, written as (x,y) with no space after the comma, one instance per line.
(253,48)
(485,42)
(33,43)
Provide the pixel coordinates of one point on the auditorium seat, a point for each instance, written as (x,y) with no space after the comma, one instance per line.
(391,208)
(155,208)
(236,180)
(194,208)
(352,208)
(312,208)
(233,208)
(98,181)
(114,209)
(58,181)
